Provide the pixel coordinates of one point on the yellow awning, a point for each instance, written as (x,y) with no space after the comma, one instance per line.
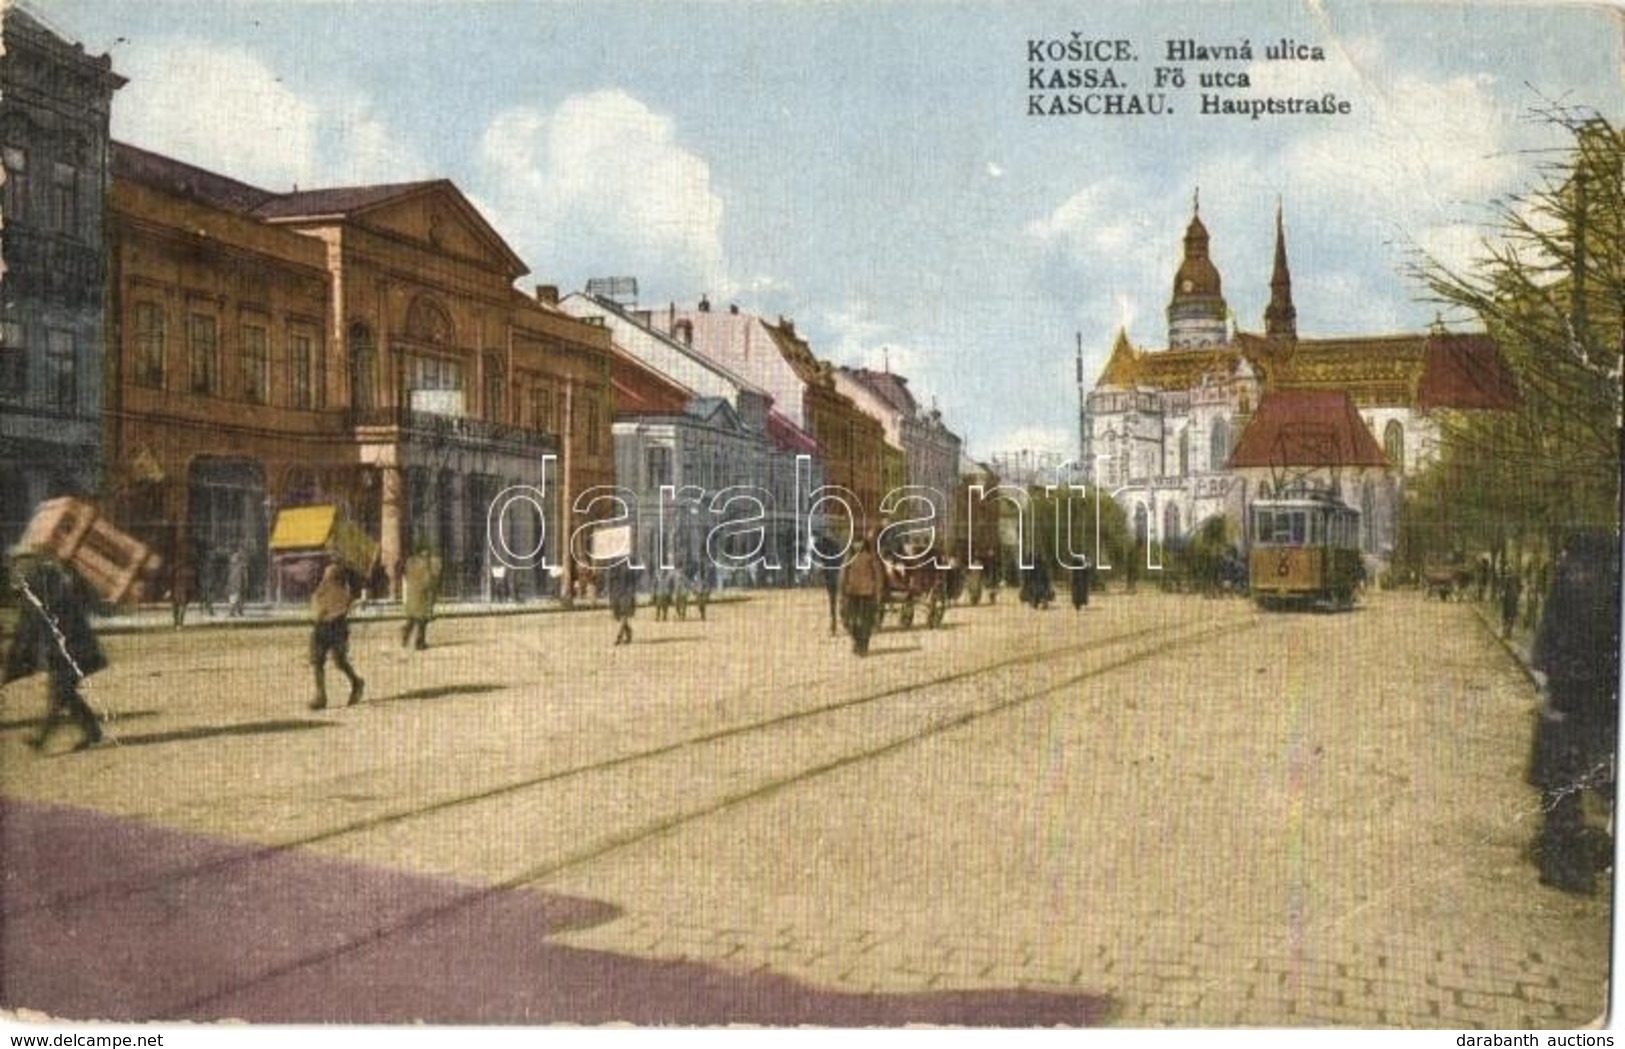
(303,527)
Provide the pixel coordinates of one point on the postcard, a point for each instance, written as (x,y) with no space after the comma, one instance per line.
(839,515)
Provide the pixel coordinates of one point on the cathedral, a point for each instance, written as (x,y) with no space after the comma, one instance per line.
(1159,426)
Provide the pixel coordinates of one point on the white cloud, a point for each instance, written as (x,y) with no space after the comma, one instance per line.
(223,108)
(219,107)
(601,185)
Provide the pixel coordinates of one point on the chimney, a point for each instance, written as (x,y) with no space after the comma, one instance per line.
(733,308)
(788,324)
(705,304)
(547,294)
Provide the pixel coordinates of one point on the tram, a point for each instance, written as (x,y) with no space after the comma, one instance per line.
(1305,552)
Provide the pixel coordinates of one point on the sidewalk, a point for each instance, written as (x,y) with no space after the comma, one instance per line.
(260,615)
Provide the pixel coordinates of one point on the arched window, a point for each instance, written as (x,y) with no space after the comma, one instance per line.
(1185,452)
(363,368)
(1393,445)
(1170,522)
(1218,452)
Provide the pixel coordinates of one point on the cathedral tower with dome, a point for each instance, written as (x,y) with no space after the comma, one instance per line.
(1159,424)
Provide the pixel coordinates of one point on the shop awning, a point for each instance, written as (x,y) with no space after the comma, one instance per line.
(303,527)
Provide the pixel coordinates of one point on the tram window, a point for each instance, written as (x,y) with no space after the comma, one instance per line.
(1299,528)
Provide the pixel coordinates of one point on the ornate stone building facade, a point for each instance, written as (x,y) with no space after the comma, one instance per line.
(1159,425)
(54,106)
(362,347)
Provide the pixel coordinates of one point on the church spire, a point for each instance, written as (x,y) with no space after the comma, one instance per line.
(1280,317)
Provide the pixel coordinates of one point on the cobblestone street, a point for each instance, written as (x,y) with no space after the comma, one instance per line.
(1163,810)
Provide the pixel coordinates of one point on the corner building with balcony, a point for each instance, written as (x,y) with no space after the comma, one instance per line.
(362,347)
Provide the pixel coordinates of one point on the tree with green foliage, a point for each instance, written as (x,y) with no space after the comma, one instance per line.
(1550,289)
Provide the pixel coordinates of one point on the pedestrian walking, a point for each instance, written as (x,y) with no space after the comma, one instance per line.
(623,599)
(830,569)
(330,605)
(236,582)
(1036,589)
(861,585)
(1511,592)
(420,589)
(54,634)
(702,590)
(182,585)
(1577,648)
(665,583)
(680,593)
(1080,584)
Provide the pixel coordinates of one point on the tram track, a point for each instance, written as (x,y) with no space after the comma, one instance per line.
(707,807)
(551,777)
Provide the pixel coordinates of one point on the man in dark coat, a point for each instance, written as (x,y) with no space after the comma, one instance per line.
(829,567)
(1080,584)
(1577,648)
(54,631)
(623,599)
(862,585)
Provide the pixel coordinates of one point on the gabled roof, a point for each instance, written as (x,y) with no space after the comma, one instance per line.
(339,201)
(1466,371)
(641,391)
(789,437)
(180,179)
(1306,428)
(892,389)
(706,360)
(716,411)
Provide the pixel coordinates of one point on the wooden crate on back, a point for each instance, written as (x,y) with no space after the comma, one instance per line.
(120,567)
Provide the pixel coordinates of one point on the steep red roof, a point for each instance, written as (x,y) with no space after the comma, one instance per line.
(788,436)
(1466,371)
(640,391)
(1307,428)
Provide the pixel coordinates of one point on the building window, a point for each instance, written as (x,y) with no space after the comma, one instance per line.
(300,352)
(659,467)
(149,345)
(61,375)
(256,364)
(1219,445)
(204,355)
(15,199)
(13,360)
(65,199)
(1393,445)
(541,409)
(363,368)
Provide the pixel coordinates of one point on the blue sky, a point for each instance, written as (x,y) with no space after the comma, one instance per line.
(869,168)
